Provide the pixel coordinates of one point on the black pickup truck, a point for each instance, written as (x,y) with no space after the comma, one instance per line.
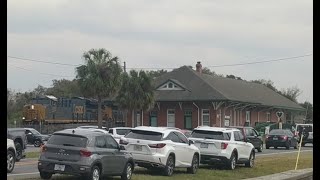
(18,135)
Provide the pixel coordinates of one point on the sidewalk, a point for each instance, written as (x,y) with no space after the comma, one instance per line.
(300,174)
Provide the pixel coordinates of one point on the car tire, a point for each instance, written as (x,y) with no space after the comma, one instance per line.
(194,165)
(288,144)
(276,147)
(127,173)
(37,143)
(267,147)
(231,164)
(260,148)
(45,175)
(250,162)
(94,174)
(296,146)
(168,169)
(18,151)
(10,161)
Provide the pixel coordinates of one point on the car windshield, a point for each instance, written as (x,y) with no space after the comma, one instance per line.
(34,132)
(207,134)
(145,135)
(68,140)
(123,131)
(277,132)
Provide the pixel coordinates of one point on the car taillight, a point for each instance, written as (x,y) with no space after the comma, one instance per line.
(224,145)
(43,148)
(85,153)
(285,137)
(123,142)
(161,145)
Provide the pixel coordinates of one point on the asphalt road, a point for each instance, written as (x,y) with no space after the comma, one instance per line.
(31,148)
(27,168)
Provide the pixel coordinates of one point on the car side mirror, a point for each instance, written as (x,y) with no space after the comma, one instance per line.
(122,147)
(191,142)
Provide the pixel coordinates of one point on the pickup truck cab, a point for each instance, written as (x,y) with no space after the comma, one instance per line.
(18,135)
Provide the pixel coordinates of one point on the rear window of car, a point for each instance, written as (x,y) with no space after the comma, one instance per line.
(145,135)
(123,131)
(68,140)
(277,132)
(210,135)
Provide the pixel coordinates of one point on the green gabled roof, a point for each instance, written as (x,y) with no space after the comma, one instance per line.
(211,88)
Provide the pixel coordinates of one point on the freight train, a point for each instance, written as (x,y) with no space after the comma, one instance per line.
(52,110)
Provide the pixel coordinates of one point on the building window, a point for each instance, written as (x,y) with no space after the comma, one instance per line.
(247,116)
(268,117)
(153,118)
(170,85)
(205,117)
(247,123)
(171,118)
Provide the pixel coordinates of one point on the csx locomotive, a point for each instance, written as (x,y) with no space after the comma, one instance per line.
(49,109)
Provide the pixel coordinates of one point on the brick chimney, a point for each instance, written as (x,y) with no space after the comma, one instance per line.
(199,67)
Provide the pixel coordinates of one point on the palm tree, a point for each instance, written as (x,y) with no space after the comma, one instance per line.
(100,77)
(136,92)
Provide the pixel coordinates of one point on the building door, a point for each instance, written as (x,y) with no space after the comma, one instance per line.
(138,119)
(188,119)
(153,118)
(171,122)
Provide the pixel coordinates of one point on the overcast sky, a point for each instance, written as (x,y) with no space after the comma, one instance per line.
(163,34)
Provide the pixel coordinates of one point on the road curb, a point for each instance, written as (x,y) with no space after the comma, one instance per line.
(301,174)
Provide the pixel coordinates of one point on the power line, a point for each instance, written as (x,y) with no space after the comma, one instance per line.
(244,63)
(237,64)
(258,62)
(38,72)
(47,62)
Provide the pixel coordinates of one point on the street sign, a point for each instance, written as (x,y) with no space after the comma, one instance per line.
(279,114)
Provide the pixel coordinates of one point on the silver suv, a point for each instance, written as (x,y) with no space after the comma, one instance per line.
(84,153)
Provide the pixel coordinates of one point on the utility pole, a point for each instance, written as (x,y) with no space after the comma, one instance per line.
(124,66)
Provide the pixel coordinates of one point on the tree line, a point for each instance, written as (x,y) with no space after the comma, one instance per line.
(101,77)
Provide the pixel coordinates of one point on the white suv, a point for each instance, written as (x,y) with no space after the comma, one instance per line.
(119,132)
(11,155)
(161,147)
(223,145)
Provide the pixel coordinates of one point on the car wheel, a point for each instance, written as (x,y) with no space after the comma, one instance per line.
(18,151)
(250,162)
(45,175)
(267,147)
(94,174)
(194,165)
(276,147)
(260,148)
(10,161)
(231,164)
(296,146)
(127,173)
(288,144)
(168,170)
(37,143)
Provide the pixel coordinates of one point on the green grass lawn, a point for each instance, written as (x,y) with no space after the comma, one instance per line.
(264,165)
(32,154)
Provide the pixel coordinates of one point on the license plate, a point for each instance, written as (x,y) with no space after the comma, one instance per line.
(137,148)
(203,145)
(275,138)
(58,167)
